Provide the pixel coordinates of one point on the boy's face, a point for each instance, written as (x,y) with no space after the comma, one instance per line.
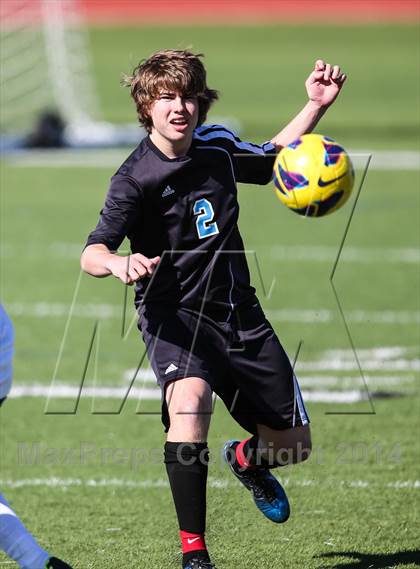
(174,116)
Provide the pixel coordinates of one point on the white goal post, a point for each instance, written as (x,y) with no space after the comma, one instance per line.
(45,65)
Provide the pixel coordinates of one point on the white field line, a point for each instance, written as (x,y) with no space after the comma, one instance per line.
(349,389)
(386,159)
(346,382)
(80,158)
(145,375)
(381,358)
(380,353)
(104,311)
(221,484)
(324,315)
(64,391)
(112,158)
(311,253)
(328,254)
(61,310)
(367,365)
(68,391)
(148,376)
(58,250)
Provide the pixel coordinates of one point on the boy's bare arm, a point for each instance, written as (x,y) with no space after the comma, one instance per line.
(322,86)
(97,260)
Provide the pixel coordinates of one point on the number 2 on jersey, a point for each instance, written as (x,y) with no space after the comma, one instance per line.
(204,224)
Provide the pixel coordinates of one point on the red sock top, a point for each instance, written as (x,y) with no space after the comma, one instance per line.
(240,455)
(192,541)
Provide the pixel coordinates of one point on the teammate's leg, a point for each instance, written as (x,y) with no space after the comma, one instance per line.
(19,543)
(15,539)
(189,403)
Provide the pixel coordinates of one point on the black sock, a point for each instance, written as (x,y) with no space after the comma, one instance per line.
(187,467)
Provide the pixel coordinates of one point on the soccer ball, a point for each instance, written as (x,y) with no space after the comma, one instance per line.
(313,175)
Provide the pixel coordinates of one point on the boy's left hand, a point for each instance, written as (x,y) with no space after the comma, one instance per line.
(324,83)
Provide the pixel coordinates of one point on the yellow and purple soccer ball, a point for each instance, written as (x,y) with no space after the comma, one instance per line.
(313,176)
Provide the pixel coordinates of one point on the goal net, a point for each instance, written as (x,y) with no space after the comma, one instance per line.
(44,64)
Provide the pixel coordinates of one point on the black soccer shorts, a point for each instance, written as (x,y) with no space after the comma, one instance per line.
(240,357)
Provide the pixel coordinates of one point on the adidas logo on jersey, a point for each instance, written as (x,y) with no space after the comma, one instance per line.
(171,367)
(167,191)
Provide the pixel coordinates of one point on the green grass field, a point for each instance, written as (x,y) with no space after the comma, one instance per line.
(92,486)
(260,72)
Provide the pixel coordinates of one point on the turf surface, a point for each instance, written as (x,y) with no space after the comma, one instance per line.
(355,502)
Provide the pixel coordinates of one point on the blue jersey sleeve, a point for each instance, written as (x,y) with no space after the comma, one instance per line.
(252,163)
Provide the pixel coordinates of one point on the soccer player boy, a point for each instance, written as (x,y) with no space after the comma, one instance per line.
(175,198)
(15,539)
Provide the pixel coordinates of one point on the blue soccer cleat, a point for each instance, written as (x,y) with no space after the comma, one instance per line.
(269,495)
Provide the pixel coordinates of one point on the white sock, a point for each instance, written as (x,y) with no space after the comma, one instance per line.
(17,542)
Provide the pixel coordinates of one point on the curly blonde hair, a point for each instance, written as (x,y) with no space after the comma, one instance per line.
(176,70)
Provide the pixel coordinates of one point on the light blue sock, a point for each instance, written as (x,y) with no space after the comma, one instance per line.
(17,542)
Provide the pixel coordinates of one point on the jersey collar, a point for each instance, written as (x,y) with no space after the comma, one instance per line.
(163,156)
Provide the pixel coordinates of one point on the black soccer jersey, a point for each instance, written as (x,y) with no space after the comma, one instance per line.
(186,210)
